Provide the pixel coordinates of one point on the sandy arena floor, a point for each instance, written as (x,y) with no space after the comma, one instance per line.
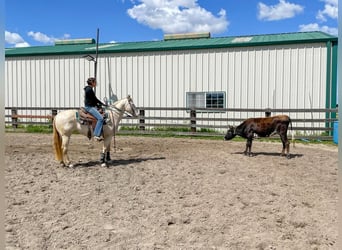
(168,193)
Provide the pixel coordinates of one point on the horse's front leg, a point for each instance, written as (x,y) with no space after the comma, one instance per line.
(108,158)
(105,155)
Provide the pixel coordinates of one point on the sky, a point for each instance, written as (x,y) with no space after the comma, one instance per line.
(42,22)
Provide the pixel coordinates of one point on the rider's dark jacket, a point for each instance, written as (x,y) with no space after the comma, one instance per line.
(90,99)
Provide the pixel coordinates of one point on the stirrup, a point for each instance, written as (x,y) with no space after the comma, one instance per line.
(98,138)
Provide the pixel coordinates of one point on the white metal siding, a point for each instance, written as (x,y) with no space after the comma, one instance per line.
(279,76)
(45,81)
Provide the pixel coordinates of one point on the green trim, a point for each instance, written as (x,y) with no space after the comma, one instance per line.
(171,45)
(331,75)
(328,77)
(334,77)
(328,85)
(334,81)
(331,80)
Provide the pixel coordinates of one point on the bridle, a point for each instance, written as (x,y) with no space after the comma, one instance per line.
(132,107)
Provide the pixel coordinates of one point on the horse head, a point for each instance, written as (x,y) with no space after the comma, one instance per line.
(126,105)
(130,107)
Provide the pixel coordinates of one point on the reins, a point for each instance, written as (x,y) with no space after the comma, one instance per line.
(114,130)
(121,112)
(112,108)
(117,109)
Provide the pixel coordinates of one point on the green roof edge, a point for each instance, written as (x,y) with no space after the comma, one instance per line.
(186,44)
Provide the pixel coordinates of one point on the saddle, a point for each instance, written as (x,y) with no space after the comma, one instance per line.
(86,118)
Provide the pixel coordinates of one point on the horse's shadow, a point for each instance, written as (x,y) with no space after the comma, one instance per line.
(124,162)
(116,162)
(254,154)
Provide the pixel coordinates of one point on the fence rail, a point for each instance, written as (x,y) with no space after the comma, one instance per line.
(307,123)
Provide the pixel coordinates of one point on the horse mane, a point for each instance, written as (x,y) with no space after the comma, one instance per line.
(128,98)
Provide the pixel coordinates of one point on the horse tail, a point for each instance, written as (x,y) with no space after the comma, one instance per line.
(57,143)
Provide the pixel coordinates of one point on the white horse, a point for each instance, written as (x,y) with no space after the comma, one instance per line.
(66,122)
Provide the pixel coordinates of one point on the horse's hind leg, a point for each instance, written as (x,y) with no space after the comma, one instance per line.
(108,152)
(65,144)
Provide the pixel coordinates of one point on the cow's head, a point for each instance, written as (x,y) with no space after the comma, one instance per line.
(230,133)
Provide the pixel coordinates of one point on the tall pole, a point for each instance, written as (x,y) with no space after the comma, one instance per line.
(97,52)
(96,55)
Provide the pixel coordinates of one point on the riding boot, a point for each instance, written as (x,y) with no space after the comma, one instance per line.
(102,159)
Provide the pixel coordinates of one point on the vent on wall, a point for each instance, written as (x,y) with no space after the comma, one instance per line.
(75,41)
(181,36)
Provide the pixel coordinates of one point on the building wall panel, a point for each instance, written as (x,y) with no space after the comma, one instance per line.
(275,76)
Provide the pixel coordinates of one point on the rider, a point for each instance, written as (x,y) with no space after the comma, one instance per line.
(90,103)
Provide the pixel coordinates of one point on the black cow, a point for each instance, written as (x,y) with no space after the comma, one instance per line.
(262,127)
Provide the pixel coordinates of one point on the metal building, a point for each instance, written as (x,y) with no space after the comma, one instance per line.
(291,70)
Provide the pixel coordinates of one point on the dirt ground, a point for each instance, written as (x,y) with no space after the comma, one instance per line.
(170,193)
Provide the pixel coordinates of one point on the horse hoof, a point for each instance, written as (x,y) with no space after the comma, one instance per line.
(104,165)
(71,166)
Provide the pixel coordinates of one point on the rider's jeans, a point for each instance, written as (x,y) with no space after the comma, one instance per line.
(99,118)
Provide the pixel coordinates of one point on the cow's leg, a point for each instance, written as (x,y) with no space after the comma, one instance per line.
(246,150)
(288,149)
(248,147)
(286,145)
(283,150)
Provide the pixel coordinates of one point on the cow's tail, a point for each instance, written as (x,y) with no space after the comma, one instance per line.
(57,143)
(292,133)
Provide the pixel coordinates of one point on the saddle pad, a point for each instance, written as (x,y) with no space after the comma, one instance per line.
(86,118)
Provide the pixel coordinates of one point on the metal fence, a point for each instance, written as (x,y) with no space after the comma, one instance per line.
(306,123)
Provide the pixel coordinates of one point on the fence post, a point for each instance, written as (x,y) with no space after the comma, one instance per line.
(14,118)
(267,113)
(141,119)
(193,120)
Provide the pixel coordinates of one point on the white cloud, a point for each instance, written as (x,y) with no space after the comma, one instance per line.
(43,38)
(40,37)
(330,10)
(282,10)
(15,39)
(178,16)
(317,27)
(22,45)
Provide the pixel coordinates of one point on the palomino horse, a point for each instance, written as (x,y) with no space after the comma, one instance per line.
(66,122)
